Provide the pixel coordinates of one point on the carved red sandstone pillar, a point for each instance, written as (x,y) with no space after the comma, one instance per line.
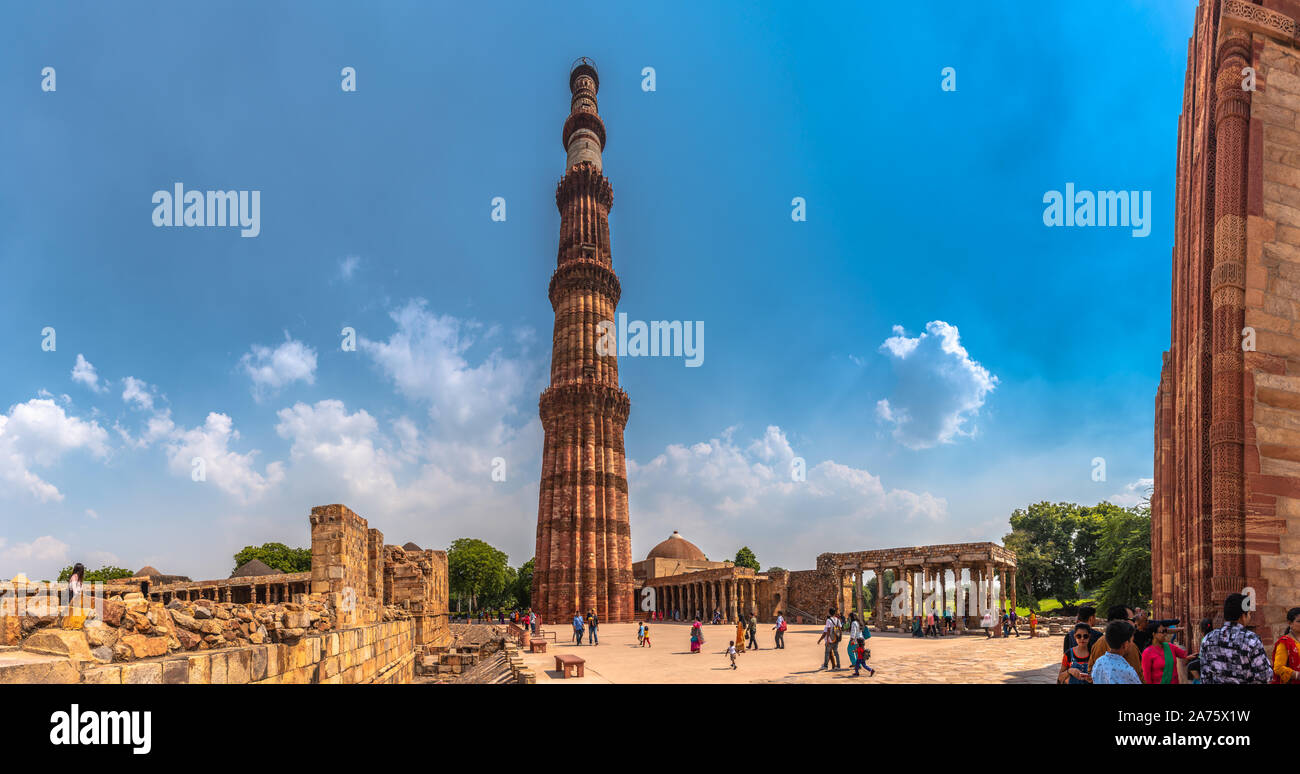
(584,549)
(1228,288)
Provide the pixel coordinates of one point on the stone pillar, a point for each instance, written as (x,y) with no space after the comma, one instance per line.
(958,599)
(943,589)
(732,608)
(1227,293)
(753,597)
(1013,588)
(1002,593)
(857,593)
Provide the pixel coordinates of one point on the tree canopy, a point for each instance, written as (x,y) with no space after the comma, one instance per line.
(277,556)
(102,575)
(476,570)
(1071,552)
(746,558)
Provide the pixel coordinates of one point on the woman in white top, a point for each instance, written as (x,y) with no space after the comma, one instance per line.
(74,582)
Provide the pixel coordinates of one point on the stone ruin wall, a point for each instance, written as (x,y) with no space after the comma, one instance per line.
(371,611)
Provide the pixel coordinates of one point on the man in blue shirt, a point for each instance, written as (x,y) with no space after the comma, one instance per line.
(578,624)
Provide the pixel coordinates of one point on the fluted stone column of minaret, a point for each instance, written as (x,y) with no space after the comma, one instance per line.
(584,546)
(1228,297)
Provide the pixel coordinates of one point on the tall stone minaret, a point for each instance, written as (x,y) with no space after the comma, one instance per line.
(584,544)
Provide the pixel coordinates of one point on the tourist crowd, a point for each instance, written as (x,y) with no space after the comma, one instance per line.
(1134,649)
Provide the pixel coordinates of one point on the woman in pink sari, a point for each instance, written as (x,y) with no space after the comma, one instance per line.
(697,636)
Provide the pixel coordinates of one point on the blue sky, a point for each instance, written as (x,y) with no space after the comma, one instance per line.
(1024,351)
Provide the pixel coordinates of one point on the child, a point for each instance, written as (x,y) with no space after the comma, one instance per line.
(731,652)
(640,631)
(862,655)
(645,637)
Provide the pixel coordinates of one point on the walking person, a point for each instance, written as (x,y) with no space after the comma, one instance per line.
(1015,619)
(731,653)
(640,632)
(830,636)
(855,628)
(578,624)
(1286,651)
(780,631)
(1160,658)
(592,622)
(1233,653)
(1033,624)
(740,632)
(1074,662)
(751,631)
(645,637)
(697,636)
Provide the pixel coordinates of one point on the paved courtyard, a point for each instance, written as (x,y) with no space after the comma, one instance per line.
(897,658)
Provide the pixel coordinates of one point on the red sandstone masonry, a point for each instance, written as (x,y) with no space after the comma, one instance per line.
(584,543)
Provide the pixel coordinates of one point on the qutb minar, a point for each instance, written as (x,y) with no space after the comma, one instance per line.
(584,542)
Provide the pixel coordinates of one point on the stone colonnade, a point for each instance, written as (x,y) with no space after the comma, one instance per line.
(923,572)
(691,596)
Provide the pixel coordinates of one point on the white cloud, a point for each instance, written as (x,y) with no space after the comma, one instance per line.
(940,389)
(230,471)
(1134,493)
(271,369)
(137,392)
(348,266)
(46,548)
(84,373)
(92,513)
(341,443)
(722,494)
(426,358)
(37,434)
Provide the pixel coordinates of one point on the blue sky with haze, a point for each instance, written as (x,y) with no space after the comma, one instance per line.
(1023,351)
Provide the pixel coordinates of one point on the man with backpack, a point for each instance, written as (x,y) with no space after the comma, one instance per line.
(831,633)
(780,631)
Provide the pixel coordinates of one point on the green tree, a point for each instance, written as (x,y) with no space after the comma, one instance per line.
(102,575)
(475,570)
(1043,538)
(1123,557)
(746,558)
(277,556)
(524,585)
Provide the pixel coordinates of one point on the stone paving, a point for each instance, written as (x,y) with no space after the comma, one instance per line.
(897,658)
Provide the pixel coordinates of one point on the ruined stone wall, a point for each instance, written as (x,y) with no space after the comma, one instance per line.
(375,653)
(340,550)
(812,591)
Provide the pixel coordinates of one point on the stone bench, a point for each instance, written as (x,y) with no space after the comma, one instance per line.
(537,646)
(566,664)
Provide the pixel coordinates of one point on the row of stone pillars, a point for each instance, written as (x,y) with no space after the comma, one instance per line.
(269,592)
(923,580)
(701,598)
